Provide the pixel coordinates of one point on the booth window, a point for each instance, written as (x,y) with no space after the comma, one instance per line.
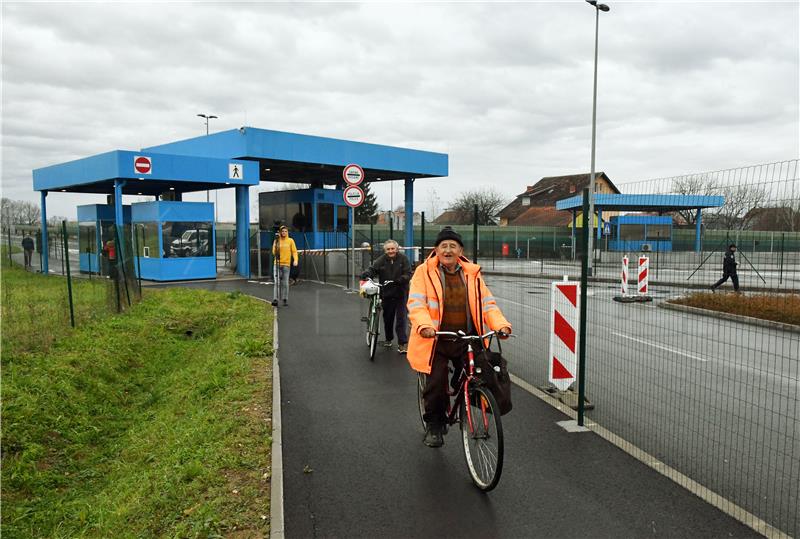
(342,220)
(147,240)
(87,237)
(658,232)
(325,217)
(301,218)
(186,239)
(631,232)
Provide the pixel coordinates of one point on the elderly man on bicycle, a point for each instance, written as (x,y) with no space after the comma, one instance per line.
(447,294)
(393,266)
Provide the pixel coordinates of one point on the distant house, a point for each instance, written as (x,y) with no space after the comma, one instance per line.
(783,219)
(537,205)
(454,217)
(398,218)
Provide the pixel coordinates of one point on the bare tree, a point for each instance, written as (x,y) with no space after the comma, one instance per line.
(739,200)
(489,203)
(695,184)
(29,213)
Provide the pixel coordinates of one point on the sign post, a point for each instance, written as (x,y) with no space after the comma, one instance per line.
(354,197)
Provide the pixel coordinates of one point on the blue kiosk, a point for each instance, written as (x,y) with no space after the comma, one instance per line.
(633,231)
(175,239)
(95,228)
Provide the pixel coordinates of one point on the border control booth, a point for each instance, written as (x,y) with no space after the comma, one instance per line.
(175,239)
(632,232)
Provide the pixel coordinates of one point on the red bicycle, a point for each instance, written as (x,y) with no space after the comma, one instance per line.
(476,410)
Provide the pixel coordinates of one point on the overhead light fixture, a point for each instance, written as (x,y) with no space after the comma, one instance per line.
(227,183)
(141,179)
(138,193)
(63,190)
(171,188)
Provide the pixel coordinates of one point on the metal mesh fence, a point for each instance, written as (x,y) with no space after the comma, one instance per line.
(698,380)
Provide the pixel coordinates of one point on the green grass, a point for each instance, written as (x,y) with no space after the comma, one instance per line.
(153,423)
(776,307)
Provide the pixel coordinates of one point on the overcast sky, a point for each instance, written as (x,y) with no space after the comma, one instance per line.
(504,88)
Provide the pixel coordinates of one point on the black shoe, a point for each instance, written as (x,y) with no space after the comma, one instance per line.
(433,436)
(274,302)
(286,303)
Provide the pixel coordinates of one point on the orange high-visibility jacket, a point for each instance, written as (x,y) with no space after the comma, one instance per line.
(426,301)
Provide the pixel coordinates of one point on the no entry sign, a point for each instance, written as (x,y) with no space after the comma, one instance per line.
(142,164)
(353,196)
(353,174)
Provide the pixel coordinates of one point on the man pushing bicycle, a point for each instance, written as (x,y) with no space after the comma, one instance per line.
(447,294)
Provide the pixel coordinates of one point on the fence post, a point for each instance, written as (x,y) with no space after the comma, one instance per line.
(8,234)
(492,249)
(422,239)
(583,302)
(63,250)
(783,237)
(69,277)
(371,241)
(475,233)
(324,258)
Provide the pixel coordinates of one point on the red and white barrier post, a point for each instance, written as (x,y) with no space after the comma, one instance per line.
(644,270)
(624,276)
(564,317)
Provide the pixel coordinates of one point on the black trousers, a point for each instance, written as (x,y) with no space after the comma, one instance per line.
(395,318)
(734,279)
(435,393)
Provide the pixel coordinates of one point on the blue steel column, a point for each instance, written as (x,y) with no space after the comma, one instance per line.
(409,208)
(243,230)
(118,206)
(45,253)
(697,225)
(599,224)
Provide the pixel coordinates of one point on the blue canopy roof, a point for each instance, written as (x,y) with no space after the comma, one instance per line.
(291,157)
(96,174)
(614,202)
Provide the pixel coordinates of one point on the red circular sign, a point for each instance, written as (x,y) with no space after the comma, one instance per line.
(142,164)
(353,174)
(353,196)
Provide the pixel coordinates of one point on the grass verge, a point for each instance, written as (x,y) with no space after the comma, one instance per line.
(776,307)
(153,423)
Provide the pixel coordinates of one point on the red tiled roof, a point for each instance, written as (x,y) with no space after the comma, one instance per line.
(542,216)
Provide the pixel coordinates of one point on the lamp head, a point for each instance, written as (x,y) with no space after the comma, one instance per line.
(603,7)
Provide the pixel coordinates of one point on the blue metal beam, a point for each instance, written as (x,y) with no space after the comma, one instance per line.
(643,202)
(45,250)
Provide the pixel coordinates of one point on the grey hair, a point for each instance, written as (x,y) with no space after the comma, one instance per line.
(390,241)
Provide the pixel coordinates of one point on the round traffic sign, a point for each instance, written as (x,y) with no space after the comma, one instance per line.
(353,174)
(142,164)
(353,196)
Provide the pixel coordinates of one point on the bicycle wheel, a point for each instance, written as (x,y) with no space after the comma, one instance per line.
(422,379)
(482,436)
(369,324)
(373,331)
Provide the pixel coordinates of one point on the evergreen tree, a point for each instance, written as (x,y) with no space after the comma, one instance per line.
(367,212)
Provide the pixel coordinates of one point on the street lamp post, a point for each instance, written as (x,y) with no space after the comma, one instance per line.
(598,9)
(207,118)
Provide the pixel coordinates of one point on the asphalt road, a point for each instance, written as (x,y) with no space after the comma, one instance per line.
(715,399)
(355,465)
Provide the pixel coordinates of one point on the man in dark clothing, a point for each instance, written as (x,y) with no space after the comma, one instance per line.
(27,246)
(393,266)
(728,269)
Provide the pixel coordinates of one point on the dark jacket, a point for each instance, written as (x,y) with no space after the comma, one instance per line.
(27,243)
(729,262)
(397,269)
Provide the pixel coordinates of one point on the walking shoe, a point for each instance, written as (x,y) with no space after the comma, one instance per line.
(402,348)
(274,302)
(387,344)
(713,290)
(285,303)
(433,436)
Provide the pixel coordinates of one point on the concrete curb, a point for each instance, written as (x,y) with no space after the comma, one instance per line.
(729,316)
(276,525)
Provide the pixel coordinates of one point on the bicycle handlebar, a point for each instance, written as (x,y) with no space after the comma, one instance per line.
(377,283)
(463,336)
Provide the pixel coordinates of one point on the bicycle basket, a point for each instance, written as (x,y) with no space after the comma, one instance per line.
(368,288)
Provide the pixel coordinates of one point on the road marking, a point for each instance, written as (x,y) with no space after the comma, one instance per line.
(522,304)
(662,347)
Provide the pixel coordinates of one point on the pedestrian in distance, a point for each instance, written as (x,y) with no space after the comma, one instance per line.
(285,252)
(27,247)
(447,294)
(728,269)
(393,266)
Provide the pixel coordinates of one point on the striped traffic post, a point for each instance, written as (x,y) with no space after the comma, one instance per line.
(644,269)
(564,318)
(624,275)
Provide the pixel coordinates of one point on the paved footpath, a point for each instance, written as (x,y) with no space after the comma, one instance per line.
(355,465)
